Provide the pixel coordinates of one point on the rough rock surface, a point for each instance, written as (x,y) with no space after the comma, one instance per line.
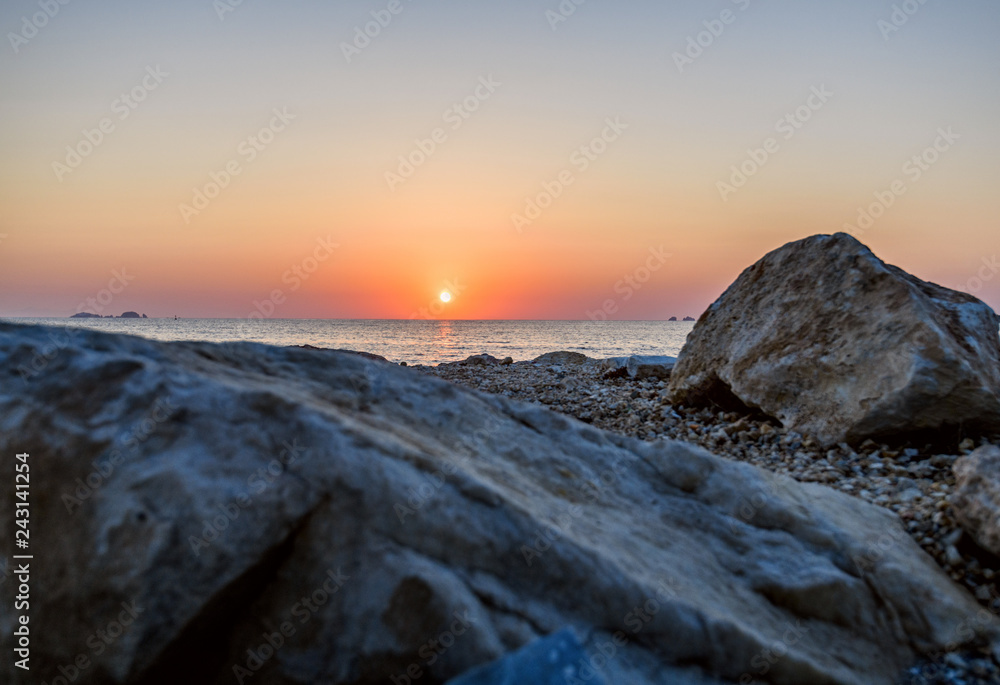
(314,516)
(366,355)
(638,367)
(562,358)
(977,496)
(833,342)
(642,367)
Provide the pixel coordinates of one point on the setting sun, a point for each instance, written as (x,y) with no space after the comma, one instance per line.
(446,296)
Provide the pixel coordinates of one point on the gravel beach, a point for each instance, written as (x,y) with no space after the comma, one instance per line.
(913,480)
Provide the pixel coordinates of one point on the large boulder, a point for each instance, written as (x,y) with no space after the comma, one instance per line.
(976,499)
(824,336)
(237,512)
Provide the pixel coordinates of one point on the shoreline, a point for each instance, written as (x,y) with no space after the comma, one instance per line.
(427,342)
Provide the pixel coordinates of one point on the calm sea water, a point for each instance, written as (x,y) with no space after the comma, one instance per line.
(415,342)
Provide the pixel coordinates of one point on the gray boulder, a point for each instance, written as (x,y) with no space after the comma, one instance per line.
(246,513)
(639,367)
(481,360)
(833,342)
(561,358)
(976,499)
(643,367)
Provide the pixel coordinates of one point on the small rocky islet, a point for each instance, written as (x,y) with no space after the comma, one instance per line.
(810,502)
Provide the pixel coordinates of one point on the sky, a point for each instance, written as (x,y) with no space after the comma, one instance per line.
(536,160)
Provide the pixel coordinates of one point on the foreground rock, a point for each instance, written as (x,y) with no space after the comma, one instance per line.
(311,516)
(366,355)
(977,496)
(836,344)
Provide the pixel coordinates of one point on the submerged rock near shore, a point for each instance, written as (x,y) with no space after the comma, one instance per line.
(836,344)
(301,515)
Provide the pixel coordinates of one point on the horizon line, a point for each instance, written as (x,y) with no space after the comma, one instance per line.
(231,318)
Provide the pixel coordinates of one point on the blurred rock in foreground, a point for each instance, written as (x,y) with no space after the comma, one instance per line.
(824,336)
(252,514)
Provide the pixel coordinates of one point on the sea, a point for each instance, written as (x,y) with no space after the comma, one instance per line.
(414,341)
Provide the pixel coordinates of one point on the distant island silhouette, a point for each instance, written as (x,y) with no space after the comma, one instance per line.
(125,315)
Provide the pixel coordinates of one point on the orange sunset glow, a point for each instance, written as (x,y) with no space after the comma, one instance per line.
(530,179)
